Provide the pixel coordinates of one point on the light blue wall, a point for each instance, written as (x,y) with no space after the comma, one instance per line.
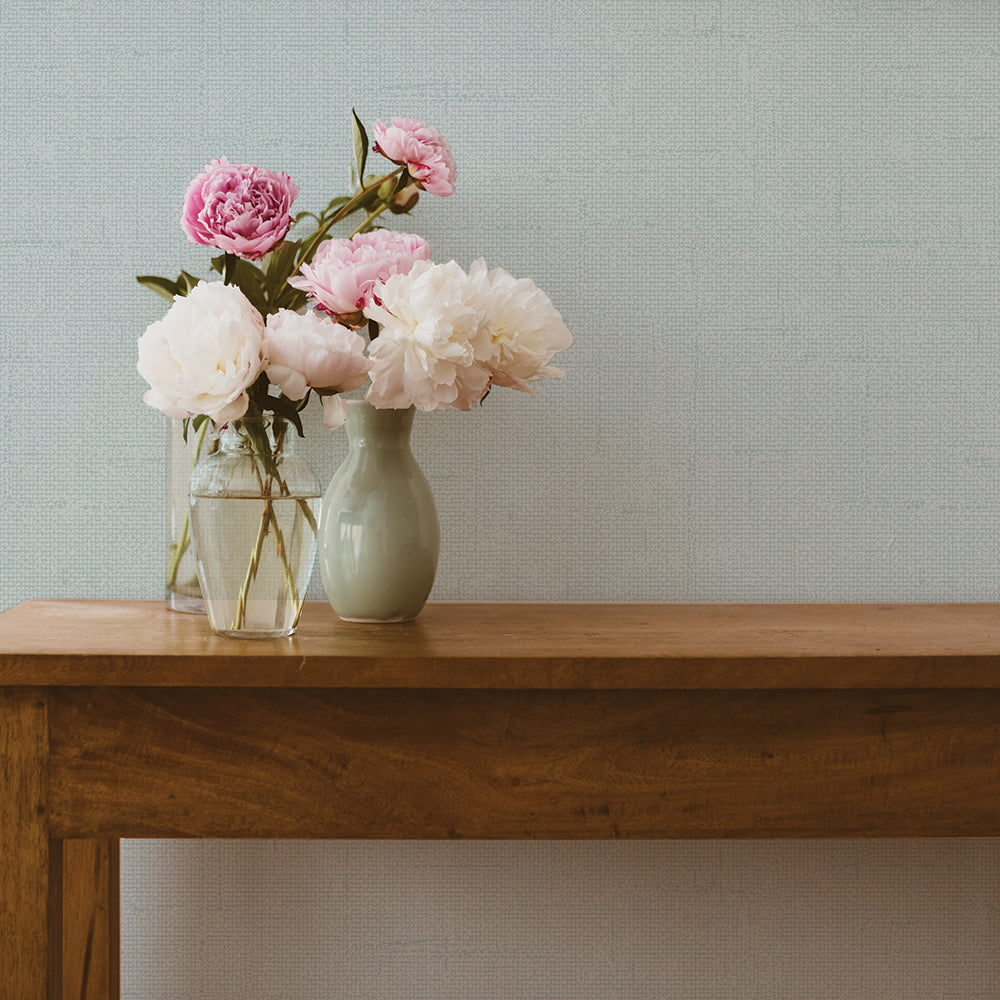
(773,230)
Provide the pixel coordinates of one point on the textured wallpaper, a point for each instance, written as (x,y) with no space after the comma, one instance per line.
(772,228)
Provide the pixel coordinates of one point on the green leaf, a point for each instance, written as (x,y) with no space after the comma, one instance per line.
(335,203)
(186,282)
(280,262)
(162,286)
(278,267)
(248,279)
(283,407)
(196,423)
(360,143)
(289,298)
(331,208)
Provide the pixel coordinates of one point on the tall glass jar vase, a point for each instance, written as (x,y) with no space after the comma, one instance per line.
(378,537)
(183,592)
(254,509)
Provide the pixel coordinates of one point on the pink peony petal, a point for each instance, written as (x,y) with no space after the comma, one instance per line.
(422,150)
(344,275)
(239,209)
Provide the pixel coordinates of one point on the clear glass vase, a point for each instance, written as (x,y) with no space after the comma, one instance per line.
(379,538)
(254,511)
(183,591)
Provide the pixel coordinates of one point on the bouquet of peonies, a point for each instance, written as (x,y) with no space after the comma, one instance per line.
(296,317)
(300,316)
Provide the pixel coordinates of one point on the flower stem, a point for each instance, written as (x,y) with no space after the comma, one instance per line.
(178,548)
(251,574)
(372,216)
(269,519)
(345,210)
(307,513)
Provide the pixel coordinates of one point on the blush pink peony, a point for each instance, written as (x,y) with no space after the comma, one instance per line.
(344,274)
(426,156)
(309,351)
(240,209)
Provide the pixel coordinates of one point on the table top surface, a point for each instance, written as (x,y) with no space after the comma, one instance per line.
(515,646)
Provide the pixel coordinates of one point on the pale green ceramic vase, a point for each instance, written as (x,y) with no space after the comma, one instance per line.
(378,532)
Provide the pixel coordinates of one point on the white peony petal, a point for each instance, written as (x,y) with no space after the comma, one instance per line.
(334,412)
(204,353)
(292,383)
(310,350)
(424,355)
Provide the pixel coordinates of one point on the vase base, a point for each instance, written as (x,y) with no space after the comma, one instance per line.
(186,605)
(254,634)
(378,621)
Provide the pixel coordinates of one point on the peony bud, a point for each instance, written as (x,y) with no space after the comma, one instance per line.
(404,199)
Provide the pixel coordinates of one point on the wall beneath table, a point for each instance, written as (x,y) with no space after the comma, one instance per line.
(772,228)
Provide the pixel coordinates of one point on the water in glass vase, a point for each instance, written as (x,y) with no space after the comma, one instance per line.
(255,557)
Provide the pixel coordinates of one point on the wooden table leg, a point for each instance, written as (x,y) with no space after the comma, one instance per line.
(59,899)
(90,920)
(25,929)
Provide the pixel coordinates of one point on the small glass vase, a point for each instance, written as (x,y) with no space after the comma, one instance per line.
(378,537)
(183,591)
(254,509)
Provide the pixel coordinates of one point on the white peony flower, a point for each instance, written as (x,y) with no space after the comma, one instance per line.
(523,329)
(204,354)
(334,412)
(425,353)
(309,351)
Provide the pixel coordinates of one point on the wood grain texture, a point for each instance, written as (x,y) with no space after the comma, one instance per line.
(524,764)
(516,646)
(122,719)
(24,848)
(91,932)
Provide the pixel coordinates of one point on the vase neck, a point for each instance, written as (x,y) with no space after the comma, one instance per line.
(371,427)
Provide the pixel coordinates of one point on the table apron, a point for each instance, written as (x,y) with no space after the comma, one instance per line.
(446,763)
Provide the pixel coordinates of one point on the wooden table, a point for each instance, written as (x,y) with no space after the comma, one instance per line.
(122,719)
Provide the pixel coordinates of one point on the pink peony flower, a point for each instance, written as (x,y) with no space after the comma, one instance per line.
(343,275)
(240,209)
(309,351)
(427,157)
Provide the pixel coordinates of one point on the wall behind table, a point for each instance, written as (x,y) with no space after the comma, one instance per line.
(772,228)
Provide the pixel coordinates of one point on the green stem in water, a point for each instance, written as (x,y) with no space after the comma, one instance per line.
(307,513)
(178,548)
(269,522)
(251,575)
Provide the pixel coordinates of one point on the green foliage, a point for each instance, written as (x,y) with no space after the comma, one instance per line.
(167,288)
(360,143)
(162,286)
(283,407)
(196,423)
